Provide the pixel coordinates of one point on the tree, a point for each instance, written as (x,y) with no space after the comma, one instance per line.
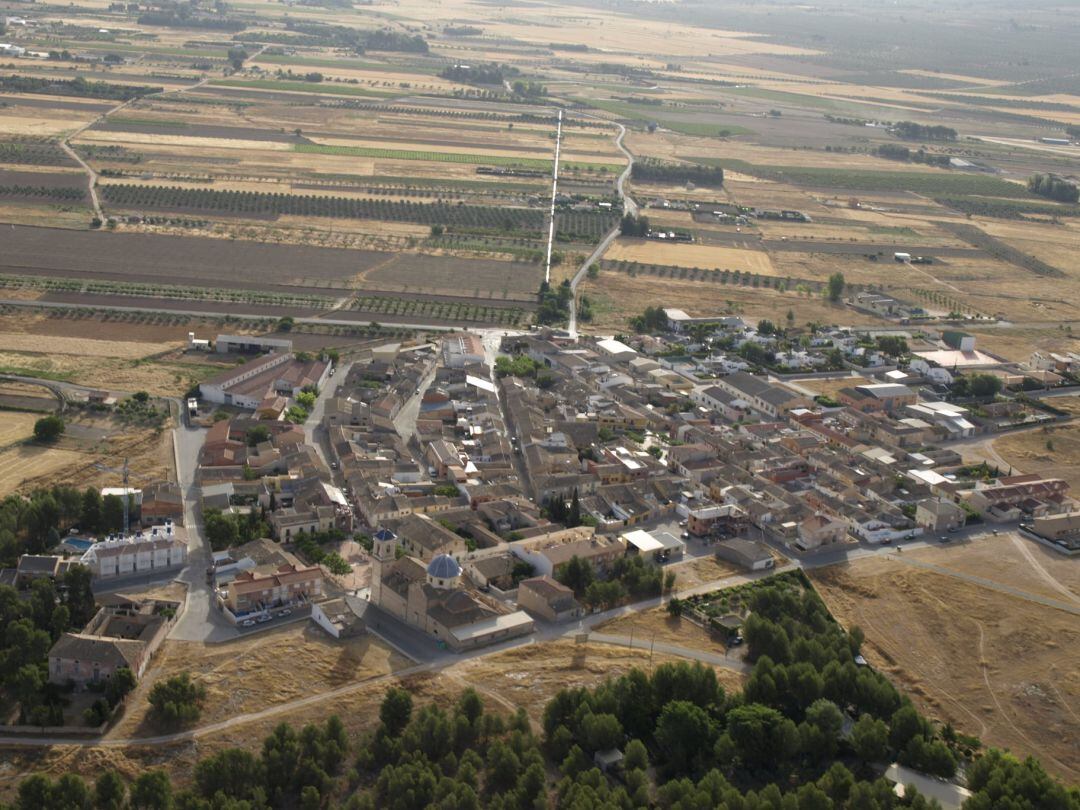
(762,736)
(683,733)
(601,732)
(232,772)
(577,575)
(109,791)
(151,790)
(119,684)
(48,429)
(112,513)
(573,517)
(870,739)
(835,287)
(766,327)
(395,711)
(176,701)
(90,516)
(675,607)
(257,435)
(636,756)
(79,595)
(983,385)
(237,55)
(220,530)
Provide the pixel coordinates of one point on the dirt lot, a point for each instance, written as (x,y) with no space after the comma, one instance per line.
(697,572)
(996,666)
(247,675)
(657,625)
(450,276)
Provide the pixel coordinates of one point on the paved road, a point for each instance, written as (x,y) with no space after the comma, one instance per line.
(314,433)
(554,194)
(200,620)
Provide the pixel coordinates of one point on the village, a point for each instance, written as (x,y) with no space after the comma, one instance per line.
(482,489)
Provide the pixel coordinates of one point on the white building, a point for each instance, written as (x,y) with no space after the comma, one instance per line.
(157,549)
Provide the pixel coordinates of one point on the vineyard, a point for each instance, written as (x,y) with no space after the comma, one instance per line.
(583,226)
(1007,209)
(169,291)
(263,203)
(34,154)
(999,250)
(439,310)
(62,193)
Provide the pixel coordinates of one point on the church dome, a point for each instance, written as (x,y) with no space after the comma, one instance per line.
(444,567)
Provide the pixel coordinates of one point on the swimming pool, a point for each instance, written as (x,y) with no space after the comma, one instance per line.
(78,543)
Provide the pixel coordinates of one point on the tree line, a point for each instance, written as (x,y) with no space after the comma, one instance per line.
(1054,187)
(660,171)
(911,131)
(75,87)
(896,151)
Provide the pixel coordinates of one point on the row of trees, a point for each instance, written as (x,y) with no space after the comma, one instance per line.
(652,170)
(1054,187)
(631,225)
(895,151)
(74,87)
(909,130)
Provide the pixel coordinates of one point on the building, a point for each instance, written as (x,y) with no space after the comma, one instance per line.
(434,599)
(616,350)
(657,547)
(341,618)
(37,566)
(892,396)
(250,384)
(939,515)
(1019,495)
(157,549)
(762,396)
(1062,530)
(959,341)
(161,501)
(550,554)
(251,344)
(747,554)
(464,349)
(548,599)
(821,530)
(121,636)
(261,590)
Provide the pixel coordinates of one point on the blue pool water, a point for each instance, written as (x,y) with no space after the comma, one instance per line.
(79,543)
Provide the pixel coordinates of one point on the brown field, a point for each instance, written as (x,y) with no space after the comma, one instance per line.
(692,573)
(15,427)
(529,676)
(650,251)
(245,675)
(25,465)
(450,276)
(1053,451)
(657,625)
(999,667)
(617,296)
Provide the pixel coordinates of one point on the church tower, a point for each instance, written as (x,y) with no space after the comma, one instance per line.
(383,554)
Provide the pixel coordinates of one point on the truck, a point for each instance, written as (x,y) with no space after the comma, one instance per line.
(902,257)
(193,407)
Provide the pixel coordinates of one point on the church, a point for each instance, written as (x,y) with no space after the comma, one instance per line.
(437,600)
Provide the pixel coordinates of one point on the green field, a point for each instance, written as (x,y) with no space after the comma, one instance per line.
(649,113)
(941,183)
(317,88)
(448,157)
(342,64)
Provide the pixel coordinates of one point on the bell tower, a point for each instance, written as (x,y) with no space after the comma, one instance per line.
(383,554)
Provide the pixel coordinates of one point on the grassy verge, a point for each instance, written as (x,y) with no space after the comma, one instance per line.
(661,115)
(316,88)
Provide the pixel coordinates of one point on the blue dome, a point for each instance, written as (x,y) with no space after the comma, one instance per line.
(444,567)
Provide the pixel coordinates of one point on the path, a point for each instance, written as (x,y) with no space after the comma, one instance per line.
(629,207)
(91,175)
(988,583)
(1046,576)
(703,656)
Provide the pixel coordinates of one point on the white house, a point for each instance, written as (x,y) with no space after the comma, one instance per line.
(160,548)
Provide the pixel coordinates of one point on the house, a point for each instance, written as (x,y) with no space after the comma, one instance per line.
(1063,530)
(494,571)
(157,549)
(748,554)
(939,515)
(161,501)
(892,396)
(762,396)
(549,599)
(36,566)
(267,587)
(820,530)
(341,618)
(1010,498)
(124,635)
(616,350)
(550,554)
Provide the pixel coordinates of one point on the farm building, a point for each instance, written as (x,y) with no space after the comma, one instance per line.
(249,385)
(251,344)
(462,350)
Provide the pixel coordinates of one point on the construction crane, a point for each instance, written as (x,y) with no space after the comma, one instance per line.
(125,472)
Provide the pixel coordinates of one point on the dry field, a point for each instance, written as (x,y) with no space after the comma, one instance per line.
(696,572)
(617,296)
(246,675)
(1052,451)
(529,676)
(88,440)
(16,427)
(651,251)
(657,625)
(1000,667)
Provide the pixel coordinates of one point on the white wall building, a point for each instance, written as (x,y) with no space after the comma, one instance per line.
(157,549)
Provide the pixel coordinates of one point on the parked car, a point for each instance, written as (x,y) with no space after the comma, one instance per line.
(264,618)
(247,623)
(285,612)
(944,538)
